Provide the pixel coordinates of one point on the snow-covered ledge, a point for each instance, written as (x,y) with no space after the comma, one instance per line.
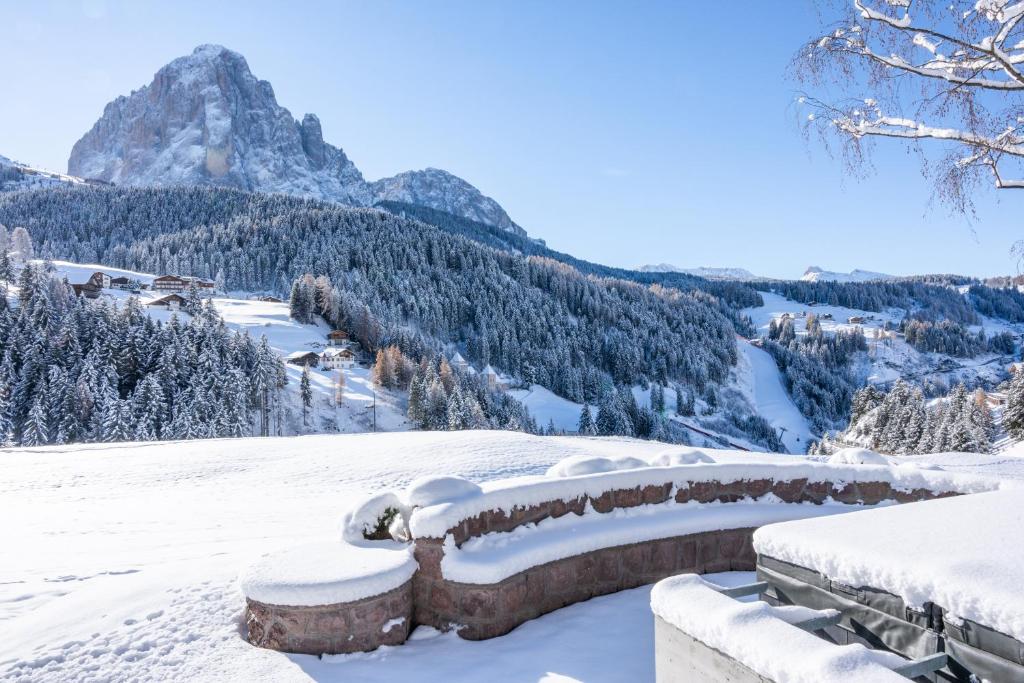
(332,597)
(703,634)
(490,557)
(493,558)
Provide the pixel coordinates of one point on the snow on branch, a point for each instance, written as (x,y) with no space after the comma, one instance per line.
(965,58)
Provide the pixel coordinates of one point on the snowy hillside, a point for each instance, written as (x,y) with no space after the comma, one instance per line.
(16,176)
(272,320)
(131,573)
(889,357)
(816,274)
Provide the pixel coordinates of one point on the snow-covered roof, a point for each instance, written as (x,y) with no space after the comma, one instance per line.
(299,354)
(457,359)
(489,370)
(963,553)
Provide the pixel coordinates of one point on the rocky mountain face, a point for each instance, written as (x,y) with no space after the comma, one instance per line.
(205,119)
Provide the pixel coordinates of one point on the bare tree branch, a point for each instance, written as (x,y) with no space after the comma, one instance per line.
(966,57)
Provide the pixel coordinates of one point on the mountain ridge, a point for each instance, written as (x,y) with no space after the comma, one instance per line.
(205,119)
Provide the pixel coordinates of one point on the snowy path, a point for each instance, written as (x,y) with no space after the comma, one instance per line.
(770,398)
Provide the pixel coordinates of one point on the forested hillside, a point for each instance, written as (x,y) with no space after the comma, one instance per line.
(732,294)
(74,371)
(398,281)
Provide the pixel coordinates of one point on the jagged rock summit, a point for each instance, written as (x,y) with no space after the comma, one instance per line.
(205,119)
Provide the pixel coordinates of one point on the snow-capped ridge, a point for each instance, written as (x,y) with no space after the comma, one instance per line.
(710,272)
(817,274)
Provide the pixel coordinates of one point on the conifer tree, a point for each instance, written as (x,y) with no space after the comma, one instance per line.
(586,422)
(36,431)
(305,395)
(1013,414)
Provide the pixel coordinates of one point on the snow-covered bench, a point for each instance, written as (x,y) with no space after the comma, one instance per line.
(330,597)
(489,557)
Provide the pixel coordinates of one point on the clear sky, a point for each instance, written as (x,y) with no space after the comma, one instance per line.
(624,133)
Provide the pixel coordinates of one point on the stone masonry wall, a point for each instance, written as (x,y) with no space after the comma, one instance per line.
(486,611)
(791,491)
(336,629)
(480,611)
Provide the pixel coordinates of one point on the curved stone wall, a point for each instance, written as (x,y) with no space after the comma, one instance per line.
(342,628)
(488,610)
(480,611)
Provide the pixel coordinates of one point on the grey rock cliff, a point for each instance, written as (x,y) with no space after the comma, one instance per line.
(205,119)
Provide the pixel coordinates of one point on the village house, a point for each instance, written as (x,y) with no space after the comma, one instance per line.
(169,283)
(100,279)
(338,338)
(88,290)
(171,302)
(495,380)
(303,358)
(175,283)
(458,362)
(337,359)
(270,299)
(124,283)
(855,320)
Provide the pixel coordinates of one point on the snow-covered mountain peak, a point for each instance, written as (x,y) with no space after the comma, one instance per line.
(438,188)
(817,274)
(206,119)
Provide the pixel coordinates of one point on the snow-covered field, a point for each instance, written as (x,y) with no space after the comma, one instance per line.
(120,561)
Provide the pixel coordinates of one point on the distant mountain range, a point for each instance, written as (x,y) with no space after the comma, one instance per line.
(812,274)
(816,274)
(206,120)
(708,272)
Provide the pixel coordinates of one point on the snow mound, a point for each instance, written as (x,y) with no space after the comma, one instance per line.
(857,456)
(327,573)
(364,518)
(763,637)
(680,456)
(921,466)
(579,465)
(432,490)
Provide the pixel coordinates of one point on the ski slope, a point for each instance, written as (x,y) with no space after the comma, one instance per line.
(762,382)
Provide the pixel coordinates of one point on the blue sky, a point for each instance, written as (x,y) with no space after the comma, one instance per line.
(624,133)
